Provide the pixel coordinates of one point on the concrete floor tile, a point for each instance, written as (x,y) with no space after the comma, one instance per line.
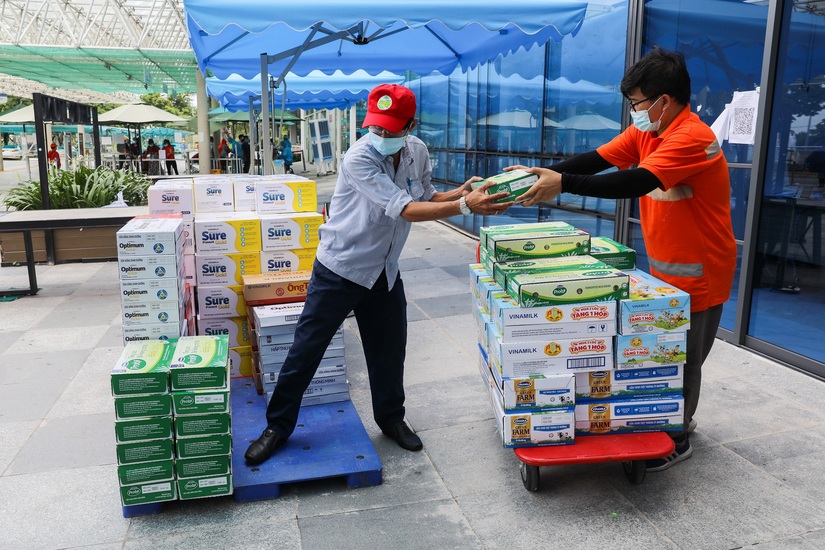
(57,339)
(74,312)
(462,400)
(29,400)
(90,391)
(445,306)
(9,336)
(33,367)
(14,435)
(284,534)
(26,312)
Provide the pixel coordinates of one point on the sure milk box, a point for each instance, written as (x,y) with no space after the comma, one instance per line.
(226,269)
(276,261)
(227,232)
(290,231)
(150,237)
(653,306)
(236,329)
(565,287)
(515,183)
(244,192)
(167,197)
(650,350)
(285,196)
(560,321)
(613,253)
(221,301)
(214,195)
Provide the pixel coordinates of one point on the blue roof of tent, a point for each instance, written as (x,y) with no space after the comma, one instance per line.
(316,90)
(369,34)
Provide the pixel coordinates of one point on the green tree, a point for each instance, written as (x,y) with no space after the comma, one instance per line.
(13,103)
(180,105)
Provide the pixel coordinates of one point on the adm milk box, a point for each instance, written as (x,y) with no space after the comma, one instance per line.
(227,232)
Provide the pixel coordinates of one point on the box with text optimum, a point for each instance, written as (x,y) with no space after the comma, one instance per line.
(236,329)
(290,231)
(515,183)
(503,270)
(566,287)
(133,268)
(150,237)
(147,493)
(650,350)
(653,306)
(539,244)
(171,312)
(167,198)
(276,288)
(558,321)
(214,195)
(156,331)
(200,401)
(531,428)
(629,383)
(199,362)
(226,232)
(623,409)
(151,290)
(143,367)
(202,487)
(278,197)
(613,253)
(221,301)
(551,356)
(276,261)
(214,268)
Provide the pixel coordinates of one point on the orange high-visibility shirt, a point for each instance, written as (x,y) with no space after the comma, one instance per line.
(687,225)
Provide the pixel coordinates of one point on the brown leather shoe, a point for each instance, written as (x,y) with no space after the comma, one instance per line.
(263,447)
(404,436)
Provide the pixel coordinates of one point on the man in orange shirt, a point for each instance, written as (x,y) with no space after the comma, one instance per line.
(681,180)
(53,155)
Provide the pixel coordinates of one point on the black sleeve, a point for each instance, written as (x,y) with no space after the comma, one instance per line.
(584,163)
(622,184)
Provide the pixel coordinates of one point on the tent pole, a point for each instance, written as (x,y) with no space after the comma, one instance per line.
(204,151)
(266,150)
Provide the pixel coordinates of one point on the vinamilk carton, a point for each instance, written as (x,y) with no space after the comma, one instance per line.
(515,183)
(201,401)
(199,362)
(539,244)
(613,253)
(653,306)
(151,290)
(503,270)
(520,228)
(566,287)
(650,350)
(629,383)
(538,393)
(625,409)
(276,288)
(291,230)
(143,367)
(227,232)
(669,423)
(559,321)
(531,428)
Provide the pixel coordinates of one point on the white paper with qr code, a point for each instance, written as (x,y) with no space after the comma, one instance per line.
(743,116)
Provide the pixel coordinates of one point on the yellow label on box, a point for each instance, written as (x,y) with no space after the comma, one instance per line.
(285,196)
(227,232)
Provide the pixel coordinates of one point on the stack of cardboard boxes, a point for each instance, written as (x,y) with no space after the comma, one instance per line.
(547,315)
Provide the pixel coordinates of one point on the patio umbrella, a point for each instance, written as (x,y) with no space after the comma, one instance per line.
(589,121)
(18,116)
(139,113)
(517,118)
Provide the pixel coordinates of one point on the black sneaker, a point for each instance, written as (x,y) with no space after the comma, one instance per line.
(679,454)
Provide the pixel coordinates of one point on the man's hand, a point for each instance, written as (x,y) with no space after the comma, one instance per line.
(546,188)
(468,185)
(481,203)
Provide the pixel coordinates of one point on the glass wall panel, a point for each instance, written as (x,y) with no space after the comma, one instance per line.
(788,296)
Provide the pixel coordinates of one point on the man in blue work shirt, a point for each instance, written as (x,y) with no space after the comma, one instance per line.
(383,185)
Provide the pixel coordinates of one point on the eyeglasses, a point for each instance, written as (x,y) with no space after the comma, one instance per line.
(379,131)
(634,104)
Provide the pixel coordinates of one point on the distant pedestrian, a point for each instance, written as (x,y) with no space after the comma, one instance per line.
(171,163)
(54,156)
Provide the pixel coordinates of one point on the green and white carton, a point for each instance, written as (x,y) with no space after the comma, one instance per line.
(503,270)
(147,493)
(141,406)
(565,287)
(146,472)
(201,487)
(200,401)
(141,429)
(143,367)
(145,451)
(503,247)
(515,183)
(202,424)
(200,362)
(613,253)
(520,228)
(203,466)
(207,445)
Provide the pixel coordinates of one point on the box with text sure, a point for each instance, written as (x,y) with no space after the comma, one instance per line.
(149,267)
(531,428)
(515,183)
(566,287)
(272,196)
(150,237)
(244,189)
(653,306)
(276,288)
(226,269)
(650,350)
(236,329)
(143,367)
(166,197)
(629,383)
(227,232)
(551,356)
(290,230)
(276,261)
(221,301)
(240,361)
(559,321)
(214,195)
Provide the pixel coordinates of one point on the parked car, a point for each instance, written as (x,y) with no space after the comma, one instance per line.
(12,152)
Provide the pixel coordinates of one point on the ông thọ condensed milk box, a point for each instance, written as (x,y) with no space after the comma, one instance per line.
(565,287)
(276,261)
(143,367)
(227,232)
(650,350)
(629,383)
(150,237)
(276,288)
(289,231)
(199,362)
(613,253)
(221,301)
(226,269)
(524,359)
(514,182)
(653,306)
(167,197)
(519,246)
(208,401)
(532,428)
(503,270)
(214,195)
(560,321)
(273,196)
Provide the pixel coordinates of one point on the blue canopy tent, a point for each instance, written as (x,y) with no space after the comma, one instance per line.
(367,35)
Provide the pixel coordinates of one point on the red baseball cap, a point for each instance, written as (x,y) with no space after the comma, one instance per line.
(390,106)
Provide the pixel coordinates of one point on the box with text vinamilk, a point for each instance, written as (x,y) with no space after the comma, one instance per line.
(566,287)
(276,288)
(147,493)
(629,383)
(653,306)
(558,321)
(143,367)
(202,487)
(650,350)
(641,414)
(140,429)
(199,402)
(508,246)
(555,391)
(612,253)
(514,182)
(199,362)
(531,428)
(502,271)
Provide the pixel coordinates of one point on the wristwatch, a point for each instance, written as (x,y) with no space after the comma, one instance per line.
(462,206)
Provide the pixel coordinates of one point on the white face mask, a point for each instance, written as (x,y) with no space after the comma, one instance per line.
(641,119)
(387,146)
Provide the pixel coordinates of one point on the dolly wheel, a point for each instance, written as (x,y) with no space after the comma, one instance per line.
(635,470)
(530,477)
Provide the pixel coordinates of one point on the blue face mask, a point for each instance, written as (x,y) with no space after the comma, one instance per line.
(387,146)
(641,119)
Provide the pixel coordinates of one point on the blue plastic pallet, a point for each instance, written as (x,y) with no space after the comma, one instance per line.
(329,441)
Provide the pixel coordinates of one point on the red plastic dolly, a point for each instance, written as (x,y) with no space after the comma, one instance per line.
(632,450)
